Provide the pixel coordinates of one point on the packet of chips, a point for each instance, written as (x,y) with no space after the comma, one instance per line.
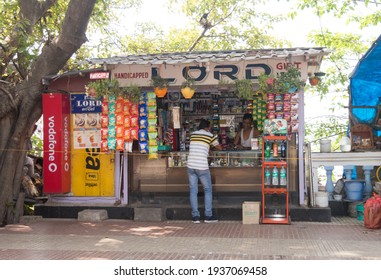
(143,135)
(119,144)
(127,134)
(143,123)
(134,133)
(127,121)
(143,146)
(104,133)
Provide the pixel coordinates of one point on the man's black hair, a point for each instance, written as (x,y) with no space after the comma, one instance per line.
(203,124)
(248,116)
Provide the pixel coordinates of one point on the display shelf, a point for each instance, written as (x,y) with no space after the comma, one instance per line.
(274,190)
(274,163)
(276,220)
(275,208)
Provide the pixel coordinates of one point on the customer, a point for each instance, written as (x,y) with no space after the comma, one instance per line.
(243,137)
(198,168)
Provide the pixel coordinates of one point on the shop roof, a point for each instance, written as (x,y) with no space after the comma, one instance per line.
(313,54)
(365,86)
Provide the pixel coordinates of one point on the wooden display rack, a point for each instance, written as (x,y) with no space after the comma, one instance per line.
(281,214)
(362,137)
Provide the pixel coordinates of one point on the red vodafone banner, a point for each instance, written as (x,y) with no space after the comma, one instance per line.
(56,116)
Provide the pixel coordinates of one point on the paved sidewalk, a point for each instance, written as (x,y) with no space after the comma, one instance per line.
(63,239)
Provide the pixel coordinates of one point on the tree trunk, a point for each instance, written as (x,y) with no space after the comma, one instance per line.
(27,96)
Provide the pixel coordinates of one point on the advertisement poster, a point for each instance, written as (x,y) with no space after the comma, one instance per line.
(57,162)
(86,113)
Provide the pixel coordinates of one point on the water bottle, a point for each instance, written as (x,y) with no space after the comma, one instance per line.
(267,176)
(283,176)
(275,179)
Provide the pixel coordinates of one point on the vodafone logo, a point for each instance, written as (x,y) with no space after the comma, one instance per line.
(52,167)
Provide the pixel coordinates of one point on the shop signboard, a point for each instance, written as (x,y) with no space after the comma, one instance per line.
(99,75)
(209,73)
(56,117)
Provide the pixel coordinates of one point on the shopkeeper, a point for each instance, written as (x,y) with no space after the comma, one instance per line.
(246,133)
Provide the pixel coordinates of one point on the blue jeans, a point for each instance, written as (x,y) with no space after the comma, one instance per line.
(206,180)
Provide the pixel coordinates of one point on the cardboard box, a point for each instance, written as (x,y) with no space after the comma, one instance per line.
(251,212)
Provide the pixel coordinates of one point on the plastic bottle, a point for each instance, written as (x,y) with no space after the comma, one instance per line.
(275,150)
(267,176)
(275,179)
(283,150)
(283,177)
(267,149)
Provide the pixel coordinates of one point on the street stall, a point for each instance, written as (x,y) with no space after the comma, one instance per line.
(145,133)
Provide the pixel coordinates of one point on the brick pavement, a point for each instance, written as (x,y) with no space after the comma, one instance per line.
(65,239)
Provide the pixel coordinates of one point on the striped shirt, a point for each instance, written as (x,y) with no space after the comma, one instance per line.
(200,142)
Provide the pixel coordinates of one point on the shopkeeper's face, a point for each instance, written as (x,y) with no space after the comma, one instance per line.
(246,124)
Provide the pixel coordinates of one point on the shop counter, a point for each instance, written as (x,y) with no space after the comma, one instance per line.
(231,171)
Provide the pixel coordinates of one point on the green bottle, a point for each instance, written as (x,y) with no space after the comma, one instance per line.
(267,149)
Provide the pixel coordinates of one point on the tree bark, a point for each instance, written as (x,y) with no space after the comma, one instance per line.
(27,96)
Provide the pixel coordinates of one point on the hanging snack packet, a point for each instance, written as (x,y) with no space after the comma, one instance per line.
(152,109)
(152,122)
(111,119)
(104,146)
(143,146)
(111,103)
(127,134)
(104,121)
(142,110)
(111,143)
(120,144)
(127,121)
(126,107)
(152,152)
(119,119)
(143,135)
(152,115)
(119,105)
(120,131)
(142,98)
(104,133)
(143,123)
(104,108)
(134,109)
(134,122)
(151,96)
(152,142)
(134,133)
(152,135)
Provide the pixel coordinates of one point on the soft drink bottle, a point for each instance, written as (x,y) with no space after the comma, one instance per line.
(267,149)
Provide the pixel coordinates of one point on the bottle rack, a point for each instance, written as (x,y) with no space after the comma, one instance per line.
(275,208)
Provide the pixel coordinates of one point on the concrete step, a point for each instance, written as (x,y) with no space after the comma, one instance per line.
(141,212)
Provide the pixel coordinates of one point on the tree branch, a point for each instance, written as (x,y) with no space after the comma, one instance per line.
(207,25)
(31,12)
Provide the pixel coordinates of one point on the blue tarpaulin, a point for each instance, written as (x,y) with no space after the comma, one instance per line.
(365,87)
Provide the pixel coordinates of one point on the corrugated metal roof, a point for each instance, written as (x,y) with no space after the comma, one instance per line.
(213,56)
